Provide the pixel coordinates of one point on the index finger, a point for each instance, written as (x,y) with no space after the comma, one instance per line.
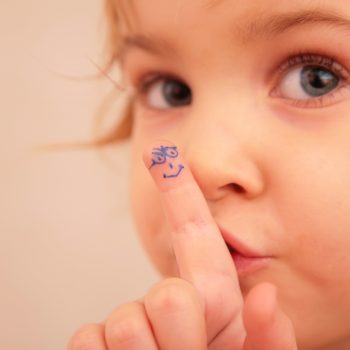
(201,253)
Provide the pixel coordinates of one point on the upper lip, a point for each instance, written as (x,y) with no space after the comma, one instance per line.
(238,246)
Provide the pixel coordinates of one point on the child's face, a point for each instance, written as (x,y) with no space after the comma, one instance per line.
(260,108)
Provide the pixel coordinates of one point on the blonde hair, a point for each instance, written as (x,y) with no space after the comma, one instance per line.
(114,12)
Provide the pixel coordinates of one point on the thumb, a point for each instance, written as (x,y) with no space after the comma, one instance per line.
(267,326)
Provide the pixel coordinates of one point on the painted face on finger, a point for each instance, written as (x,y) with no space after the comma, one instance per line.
(169,156)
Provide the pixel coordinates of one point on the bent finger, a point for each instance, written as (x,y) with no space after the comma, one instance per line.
(176,314)
(88,337)
(129,328)
(267,326)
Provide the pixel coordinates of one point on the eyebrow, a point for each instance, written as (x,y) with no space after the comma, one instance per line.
(265,26)
(280,23)
(156,46)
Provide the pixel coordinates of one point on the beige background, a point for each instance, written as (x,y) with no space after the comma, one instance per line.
(68,251)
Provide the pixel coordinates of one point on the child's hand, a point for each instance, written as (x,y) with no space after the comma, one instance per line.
(204,308)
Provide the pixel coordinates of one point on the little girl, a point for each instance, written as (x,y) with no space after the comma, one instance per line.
(240,191)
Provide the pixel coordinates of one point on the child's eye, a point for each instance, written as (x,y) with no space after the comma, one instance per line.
(162,92)
(307,82)
(310,80)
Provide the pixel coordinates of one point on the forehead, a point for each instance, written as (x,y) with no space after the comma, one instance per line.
(151,23)
(159,16)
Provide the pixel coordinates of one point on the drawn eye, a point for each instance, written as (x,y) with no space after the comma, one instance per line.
(303,83)
(172,152)
(158,157)
(163,93)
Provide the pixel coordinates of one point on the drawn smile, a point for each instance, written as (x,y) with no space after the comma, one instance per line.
(180,167)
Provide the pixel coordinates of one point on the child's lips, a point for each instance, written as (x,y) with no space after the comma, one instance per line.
(245,265)
(245,258)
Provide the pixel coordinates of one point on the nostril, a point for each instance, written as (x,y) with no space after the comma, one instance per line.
(237,188)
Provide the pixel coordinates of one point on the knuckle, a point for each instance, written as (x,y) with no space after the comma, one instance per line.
(126,327)
(123,332)
(169,296)
(85,338)
(194,223)
(219,303)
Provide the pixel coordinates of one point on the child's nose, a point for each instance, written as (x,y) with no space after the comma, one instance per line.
(221,165)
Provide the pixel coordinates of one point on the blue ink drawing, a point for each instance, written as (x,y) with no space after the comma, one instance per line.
(160,156)
(174,175)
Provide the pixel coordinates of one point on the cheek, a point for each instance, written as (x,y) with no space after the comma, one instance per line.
(149,220)
(316,209)
(312,200)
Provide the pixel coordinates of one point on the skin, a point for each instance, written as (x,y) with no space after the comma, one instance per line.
(269,166)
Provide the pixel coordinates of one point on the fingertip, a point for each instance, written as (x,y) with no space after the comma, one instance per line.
(267,326)
(167,167)
(260,305)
